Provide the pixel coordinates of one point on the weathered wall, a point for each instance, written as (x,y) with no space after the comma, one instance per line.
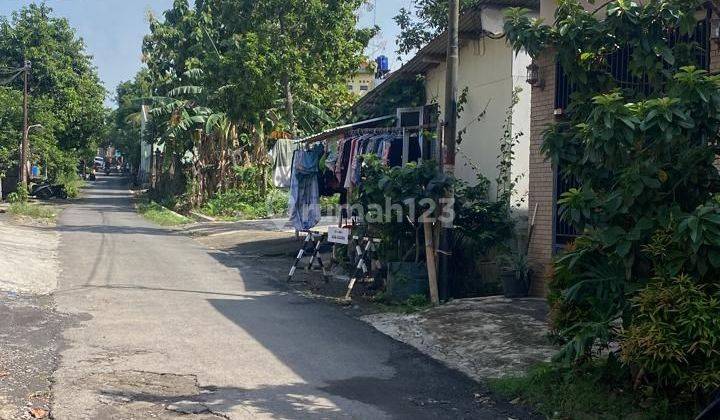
(489,70)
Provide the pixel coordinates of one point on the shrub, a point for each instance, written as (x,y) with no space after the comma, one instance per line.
(277,202)
(650,231)
(675,336)
(247,204)
(72,183)
(13,198)
(21,195)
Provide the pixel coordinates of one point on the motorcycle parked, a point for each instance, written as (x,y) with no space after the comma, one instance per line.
(46,191)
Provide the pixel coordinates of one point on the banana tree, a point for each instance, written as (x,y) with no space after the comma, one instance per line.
(190,128)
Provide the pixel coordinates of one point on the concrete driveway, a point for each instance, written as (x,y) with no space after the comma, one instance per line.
(165,330)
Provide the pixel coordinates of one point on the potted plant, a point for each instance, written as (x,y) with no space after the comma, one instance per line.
(515,275)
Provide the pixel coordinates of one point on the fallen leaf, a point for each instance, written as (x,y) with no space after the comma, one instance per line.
(38,413)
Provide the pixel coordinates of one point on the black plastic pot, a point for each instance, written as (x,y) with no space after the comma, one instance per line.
(514,284)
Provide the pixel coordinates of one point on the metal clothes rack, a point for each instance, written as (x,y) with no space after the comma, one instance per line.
(312,243)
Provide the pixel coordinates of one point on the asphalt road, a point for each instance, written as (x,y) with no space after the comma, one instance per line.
(165,330)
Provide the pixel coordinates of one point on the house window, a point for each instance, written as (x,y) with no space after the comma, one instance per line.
(350,87)
(564,232)
(364,88)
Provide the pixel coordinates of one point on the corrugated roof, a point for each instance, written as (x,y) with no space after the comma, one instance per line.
(470,27)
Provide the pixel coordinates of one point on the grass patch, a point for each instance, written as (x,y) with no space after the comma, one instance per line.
(247,204)
(160,215)
(413,304)
(601,391)
(34,211)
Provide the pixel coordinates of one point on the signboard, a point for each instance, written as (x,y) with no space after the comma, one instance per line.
(338,235)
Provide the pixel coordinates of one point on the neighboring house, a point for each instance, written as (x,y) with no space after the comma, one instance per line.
(363,81)
(490,71)
(548,104)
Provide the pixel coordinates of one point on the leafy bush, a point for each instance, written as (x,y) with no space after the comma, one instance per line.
(394,201)
(72,183)
(600,390)
(647,178)
(14,198)
(277,202)
(675,336)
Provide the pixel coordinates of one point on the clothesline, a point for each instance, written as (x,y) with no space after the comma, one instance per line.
(393,130)
(342,129)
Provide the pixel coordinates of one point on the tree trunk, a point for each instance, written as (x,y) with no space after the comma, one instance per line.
(261,156)
(289,106)
(287,89)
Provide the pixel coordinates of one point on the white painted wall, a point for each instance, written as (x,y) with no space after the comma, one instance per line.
(490,71)
(521,125)
(547,9)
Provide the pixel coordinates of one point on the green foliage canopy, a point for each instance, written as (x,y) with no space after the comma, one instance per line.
(66,96)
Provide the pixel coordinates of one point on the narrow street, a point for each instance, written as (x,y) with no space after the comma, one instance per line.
(164,330)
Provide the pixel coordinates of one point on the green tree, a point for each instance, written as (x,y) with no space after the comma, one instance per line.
(423,21)
(10,129)
(66,96)
(124,121)
(223,75)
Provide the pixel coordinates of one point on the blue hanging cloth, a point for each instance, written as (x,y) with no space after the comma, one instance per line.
(304,202)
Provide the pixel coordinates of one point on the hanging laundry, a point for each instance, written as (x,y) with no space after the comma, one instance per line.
(282,158)
(352,162)
(304,201)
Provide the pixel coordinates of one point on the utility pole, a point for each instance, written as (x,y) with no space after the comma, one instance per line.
(449,139)
(451,90)
(24,150)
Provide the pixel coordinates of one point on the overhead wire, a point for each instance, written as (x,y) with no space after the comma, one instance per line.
(9,79)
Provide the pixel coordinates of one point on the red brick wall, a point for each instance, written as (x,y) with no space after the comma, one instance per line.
(541,175)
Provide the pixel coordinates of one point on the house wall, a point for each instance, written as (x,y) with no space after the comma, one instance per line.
(490,72)
(362,83)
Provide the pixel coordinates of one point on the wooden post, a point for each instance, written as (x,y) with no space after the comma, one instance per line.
(431,263)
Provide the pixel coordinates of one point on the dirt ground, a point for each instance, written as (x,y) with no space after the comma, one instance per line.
(483,337)
(30,331)
(28,256)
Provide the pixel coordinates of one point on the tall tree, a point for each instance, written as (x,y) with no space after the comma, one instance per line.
(65,91)
(421,22)
(255,66)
